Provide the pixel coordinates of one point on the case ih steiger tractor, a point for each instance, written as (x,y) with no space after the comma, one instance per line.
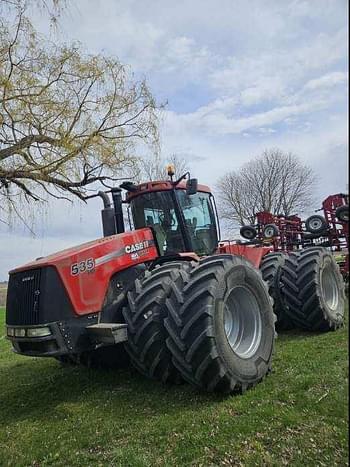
(183,304)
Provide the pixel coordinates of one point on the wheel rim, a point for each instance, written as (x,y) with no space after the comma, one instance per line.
(269,232)
(248,234)
(316,224)
(329,288)
(242,322)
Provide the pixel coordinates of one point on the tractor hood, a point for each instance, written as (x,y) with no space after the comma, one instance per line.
(86,269)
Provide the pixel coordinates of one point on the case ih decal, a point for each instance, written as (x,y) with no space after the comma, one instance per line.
(135,247)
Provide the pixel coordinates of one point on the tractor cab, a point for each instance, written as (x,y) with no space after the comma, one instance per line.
(182,219)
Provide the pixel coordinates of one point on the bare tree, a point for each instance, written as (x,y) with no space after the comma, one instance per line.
(52,9)
(154,167)
(276,182)
(67,119)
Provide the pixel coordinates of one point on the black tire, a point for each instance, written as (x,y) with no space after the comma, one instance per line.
(271,231)
(248,232)
(342,213)
(144,316)
(271,269)
(314,290)
(198,340)
(316,224)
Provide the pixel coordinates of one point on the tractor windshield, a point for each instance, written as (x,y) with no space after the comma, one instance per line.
(199,219)
(177,222)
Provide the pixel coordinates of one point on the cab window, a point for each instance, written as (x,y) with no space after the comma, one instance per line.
(200,221)
(156,210)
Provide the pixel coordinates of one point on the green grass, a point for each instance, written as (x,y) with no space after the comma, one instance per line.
(50,415)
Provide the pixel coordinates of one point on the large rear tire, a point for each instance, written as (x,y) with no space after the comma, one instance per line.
(271,269)
(314,290)
(144,316)
(221,327)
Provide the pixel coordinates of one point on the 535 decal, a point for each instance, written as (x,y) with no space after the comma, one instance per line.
(86,265)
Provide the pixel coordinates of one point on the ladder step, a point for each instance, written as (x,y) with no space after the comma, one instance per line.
(108,333)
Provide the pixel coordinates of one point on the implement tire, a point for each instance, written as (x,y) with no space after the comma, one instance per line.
(314,290)
(316,224)
(271,269)
(144,316)
(342,213)
(271,231)
(221,325)
(248,232)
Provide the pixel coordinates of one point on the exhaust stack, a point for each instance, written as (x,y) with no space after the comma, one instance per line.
(107,214)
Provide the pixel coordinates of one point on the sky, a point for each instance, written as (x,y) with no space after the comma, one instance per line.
(238,77)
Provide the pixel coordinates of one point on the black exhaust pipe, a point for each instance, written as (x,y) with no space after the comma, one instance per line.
(107,214)
(118,209)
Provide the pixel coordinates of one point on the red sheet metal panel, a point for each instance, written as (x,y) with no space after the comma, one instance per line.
(251,253)
(86,269)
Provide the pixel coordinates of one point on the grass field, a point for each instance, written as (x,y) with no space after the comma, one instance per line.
(72,416)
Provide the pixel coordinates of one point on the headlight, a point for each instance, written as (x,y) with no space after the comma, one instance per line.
(39,332)
(20,332)
(10,332)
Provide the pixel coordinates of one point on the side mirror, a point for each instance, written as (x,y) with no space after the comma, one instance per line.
(191,186)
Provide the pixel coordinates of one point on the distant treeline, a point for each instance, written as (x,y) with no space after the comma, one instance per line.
(3,291)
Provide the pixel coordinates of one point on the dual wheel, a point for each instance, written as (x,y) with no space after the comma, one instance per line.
(307,288)
(210,323)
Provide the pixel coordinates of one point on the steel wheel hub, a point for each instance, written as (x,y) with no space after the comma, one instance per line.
(329,287)
(242,322)
(316,224)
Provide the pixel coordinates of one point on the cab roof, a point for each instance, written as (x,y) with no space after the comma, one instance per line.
(160,185)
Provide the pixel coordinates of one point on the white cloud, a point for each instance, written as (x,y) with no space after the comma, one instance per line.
(217,117)
(182,52)
(327,81)
(276,73)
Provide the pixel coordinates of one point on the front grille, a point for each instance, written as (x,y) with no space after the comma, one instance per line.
(23,296)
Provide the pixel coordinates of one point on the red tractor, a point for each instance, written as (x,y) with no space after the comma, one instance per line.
(180,302)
